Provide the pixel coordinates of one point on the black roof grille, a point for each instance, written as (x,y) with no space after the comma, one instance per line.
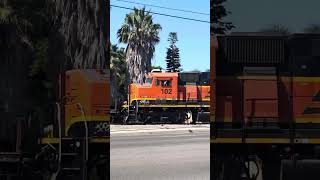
(255,49)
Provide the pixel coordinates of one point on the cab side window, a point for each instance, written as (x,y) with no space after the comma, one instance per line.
(158,83)
(166,83)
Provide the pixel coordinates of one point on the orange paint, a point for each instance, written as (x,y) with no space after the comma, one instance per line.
(91,89)
(164,86)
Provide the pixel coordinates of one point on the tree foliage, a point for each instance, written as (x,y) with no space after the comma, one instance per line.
(31,20)
(141,35)
(41,57)
(156,67)
(27,25)
(11,15)
(119,75)
(195,71)
(173,56)
(312,28)
(218,12)
(276,28)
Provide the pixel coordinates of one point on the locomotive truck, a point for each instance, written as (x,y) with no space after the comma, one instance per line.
(75,144)
(266,106)
(169,97)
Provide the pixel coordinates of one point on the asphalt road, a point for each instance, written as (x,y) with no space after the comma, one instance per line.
(168,155)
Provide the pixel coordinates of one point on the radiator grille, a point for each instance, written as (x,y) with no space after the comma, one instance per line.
(255,50)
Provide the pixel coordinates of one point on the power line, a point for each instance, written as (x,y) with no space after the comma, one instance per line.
(168,15)
(163,7)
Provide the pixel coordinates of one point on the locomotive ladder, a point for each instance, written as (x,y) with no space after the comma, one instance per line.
(71,162)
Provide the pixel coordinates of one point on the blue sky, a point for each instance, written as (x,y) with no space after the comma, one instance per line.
(252,15)
(194,37)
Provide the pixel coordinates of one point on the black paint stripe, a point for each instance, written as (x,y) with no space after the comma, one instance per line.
(316,97)
(312,110)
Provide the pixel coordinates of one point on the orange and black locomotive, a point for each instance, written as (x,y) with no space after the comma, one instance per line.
(169,98)
(266,110)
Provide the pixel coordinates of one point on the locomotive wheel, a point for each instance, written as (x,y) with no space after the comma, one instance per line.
(217,169)
(147,120)
(99,170)
(300,169)
(225,168)
(194,117)
(270,168)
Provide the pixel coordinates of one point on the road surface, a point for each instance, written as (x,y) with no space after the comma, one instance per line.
(153,154)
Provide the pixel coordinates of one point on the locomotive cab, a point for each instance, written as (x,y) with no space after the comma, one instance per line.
(164,85)
(158,87)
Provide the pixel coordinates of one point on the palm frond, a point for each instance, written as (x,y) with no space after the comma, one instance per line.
(141,36)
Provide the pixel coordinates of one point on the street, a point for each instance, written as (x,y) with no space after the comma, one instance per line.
(153,154)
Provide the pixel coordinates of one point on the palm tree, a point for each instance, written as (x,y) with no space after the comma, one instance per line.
(141,35)
(14,19)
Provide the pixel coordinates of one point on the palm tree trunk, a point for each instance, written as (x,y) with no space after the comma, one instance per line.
(139,63)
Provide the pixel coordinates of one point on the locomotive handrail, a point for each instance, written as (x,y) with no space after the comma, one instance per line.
(254,100)
(86,137)
(60,136)
(86,129)
(263,117)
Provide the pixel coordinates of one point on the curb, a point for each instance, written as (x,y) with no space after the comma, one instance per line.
(157,130)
